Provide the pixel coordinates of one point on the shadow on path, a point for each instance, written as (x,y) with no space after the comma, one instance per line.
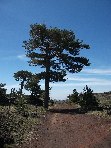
(68,111)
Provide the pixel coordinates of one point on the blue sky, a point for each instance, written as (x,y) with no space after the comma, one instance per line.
(89,19)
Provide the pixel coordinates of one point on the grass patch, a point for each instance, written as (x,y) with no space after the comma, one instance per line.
(101,114)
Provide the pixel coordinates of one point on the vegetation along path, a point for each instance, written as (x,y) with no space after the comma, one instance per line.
(66,128)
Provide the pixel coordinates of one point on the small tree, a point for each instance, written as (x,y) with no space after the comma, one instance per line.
(22,76)
(34,88)
(21,103)
(2,90)
(3,98)
(74,97)
(55,50)
(87,100)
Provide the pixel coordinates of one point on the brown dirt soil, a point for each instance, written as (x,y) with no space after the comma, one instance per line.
(67,128)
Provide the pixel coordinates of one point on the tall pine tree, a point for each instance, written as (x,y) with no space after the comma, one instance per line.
(55,50)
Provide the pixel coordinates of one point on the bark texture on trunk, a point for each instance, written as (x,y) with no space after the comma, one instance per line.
(47,80)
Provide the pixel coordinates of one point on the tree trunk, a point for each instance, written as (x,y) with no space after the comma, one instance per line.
(46,99)
(22,85)
(47,79)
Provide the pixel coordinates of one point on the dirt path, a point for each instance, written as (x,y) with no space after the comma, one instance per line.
(66,130)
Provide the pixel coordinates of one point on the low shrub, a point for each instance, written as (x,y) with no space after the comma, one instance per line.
(15,127)
(86,100)
(74,97)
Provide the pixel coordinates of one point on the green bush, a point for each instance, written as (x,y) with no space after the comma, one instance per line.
(16,119)
(35,100)
(74,97)
(86,100)
(11,130)
(21,104)
(14,127)
(5,128)
(3,99)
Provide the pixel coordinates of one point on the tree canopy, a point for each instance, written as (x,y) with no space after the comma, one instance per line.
(33,86)
(22,76)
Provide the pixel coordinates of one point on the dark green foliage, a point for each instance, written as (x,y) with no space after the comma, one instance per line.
(15,118)
(22,76)
(3,98)
(56,50)
(21,103)
(36,101)
(2,90)
(74,97)
(54,76)
(6,125)
(86,100)
(35,90)
(12,96)
(12,127)
(52,43)
(33,86)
